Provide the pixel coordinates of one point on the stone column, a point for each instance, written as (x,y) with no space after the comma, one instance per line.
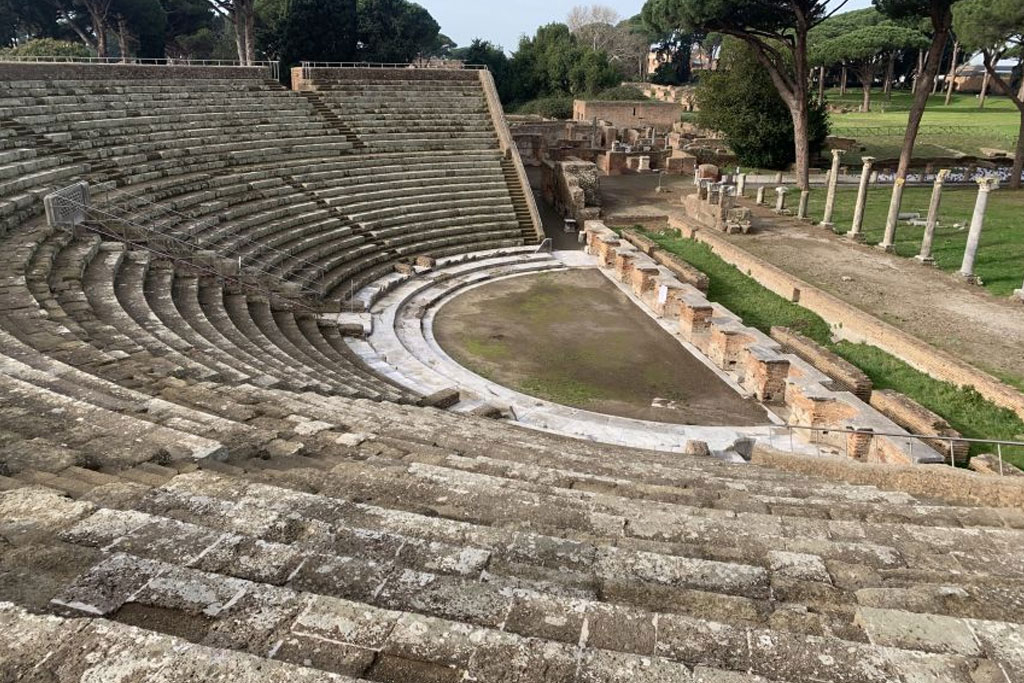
(862,198)
(985,186)
(759,199)
(933,218)
(833,181)
(741,184)
(780,199)
(887,243)
(801,211)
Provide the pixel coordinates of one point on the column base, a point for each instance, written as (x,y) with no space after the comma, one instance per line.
(828,226)
(926,260)
(855,237)
(969,278)
(1018,294)
(887,248)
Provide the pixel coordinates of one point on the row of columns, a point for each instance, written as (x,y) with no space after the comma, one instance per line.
(856,233)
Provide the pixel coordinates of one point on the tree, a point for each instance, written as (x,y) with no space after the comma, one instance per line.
(186,19)
(866,49)
(740,100)
(493,57)
(319,31)
(673,46)
(995,28)
(141,27)
(555,63)
(940,15)
(594,25)
(242,15)
(776,31)
(99,20)
(395,31)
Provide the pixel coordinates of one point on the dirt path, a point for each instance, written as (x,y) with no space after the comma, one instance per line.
(573,338)
(932,305)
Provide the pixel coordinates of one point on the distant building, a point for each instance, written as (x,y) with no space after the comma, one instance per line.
(969,78)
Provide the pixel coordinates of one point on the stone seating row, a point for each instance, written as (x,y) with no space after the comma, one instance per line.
(345,558)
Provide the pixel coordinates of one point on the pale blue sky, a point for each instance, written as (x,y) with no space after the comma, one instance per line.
(503,21)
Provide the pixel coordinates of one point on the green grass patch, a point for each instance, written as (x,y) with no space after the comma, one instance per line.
(961,127)
(1000,259)
(488,349)
(963,407)
(560,389)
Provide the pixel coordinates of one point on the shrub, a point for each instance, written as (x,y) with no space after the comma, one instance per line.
(555,107)
(48,47)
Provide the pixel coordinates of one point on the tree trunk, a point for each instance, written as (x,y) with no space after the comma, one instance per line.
(941,24)
(821,85)
(842,82)
(1018,155)
(122,38)
(889,68)
(984,90)
(917,72)
(239,38)
(101,41)
(952,72)
(250,33)
(866,74)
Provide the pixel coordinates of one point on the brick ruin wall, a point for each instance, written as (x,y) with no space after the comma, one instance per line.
(847,376)
(752,358)
(629,114)
(913,416)
(855,325)
(572,188)
(680,268)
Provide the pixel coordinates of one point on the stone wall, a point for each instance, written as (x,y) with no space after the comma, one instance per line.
(853,324)
(20,71)
(572,188)
(911,415)
(539,141)
(685,95)
(638,114)
(847,376)
(756,361)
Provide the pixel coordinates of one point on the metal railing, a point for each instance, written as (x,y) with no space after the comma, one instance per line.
(817,432)
(442,65)
(117,222)
(273,66)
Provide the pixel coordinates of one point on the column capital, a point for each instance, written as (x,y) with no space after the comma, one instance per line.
(988,183)
(836,153)
(867,161)
(941,176)
(781,189)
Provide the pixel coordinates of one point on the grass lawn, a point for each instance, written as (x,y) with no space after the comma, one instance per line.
(1000,260)
(964,408)
(960,128)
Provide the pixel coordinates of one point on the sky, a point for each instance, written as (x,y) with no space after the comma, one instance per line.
(503,21)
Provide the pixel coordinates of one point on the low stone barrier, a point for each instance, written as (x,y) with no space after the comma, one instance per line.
(848,377)
(949,483)
(909,414)
(754,360)
(680,268)
(856,325)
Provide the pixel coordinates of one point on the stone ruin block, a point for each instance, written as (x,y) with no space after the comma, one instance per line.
(695,322)
(682,270)
(726,347)
(644,279)
(845,375)
(606,248)
(858,445)
(667,299)
(818,410)
(425,261)
(624,257)
(709,172)
(765,375)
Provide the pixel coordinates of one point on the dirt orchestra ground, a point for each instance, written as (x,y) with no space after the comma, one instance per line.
(574,338)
